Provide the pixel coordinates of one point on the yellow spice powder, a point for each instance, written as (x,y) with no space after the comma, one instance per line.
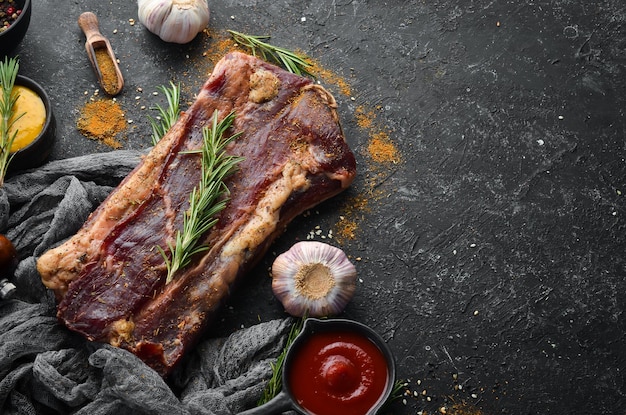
(102,120)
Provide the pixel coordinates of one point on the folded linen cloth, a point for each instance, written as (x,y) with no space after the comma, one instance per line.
(47,369)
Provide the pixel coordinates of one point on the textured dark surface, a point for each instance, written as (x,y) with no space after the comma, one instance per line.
(491,257)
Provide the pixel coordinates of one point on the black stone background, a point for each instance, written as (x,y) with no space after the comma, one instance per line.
(493,264)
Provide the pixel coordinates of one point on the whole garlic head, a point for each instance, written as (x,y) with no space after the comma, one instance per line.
(176,21)
(313,279)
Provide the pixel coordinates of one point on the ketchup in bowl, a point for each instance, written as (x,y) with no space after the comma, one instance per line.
(338,372)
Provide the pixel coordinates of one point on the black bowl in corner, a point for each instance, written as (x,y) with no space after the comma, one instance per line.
(13,35)
(35,153)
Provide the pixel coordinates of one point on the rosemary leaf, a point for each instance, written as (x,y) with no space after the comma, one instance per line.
(293,62)
(8,74)
(207,199)
(169,115)
(275,383)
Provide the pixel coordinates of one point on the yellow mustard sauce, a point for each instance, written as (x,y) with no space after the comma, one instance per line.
(29,125)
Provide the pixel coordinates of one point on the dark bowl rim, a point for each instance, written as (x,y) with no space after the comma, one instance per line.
(38,89)
(313,325)
(26,6)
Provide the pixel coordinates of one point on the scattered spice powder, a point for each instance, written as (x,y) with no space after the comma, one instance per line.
(330,77)
(380,148)
(380,152)
(221,44)
(102,120)
(346,228)
(107,70)
(464,409)
(364,118)
(352,213)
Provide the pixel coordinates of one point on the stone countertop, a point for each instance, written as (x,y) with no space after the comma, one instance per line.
(491,252)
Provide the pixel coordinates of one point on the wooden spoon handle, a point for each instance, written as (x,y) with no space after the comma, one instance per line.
(88,22)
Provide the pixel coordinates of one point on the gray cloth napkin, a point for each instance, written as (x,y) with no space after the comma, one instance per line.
(47,369)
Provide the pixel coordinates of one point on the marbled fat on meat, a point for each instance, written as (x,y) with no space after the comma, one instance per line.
(110,280)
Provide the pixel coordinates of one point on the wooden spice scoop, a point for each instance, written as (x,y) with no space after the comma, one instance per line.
(107,71)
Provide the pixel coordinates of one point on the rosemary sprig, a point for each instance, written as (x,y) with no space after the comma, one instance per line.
(167,116)
(399,388)
(207,199)
(8,74)
(293,62)
(275,383)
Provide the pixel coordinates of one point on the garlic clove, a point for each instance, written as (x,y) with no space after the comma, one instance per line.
(313,279)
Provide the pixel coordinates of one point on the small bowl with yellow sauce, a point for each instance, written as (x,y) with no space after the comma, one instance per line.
(36,128)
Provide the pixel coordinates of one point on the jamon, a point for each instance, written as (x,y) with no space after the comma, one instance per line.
(109,278)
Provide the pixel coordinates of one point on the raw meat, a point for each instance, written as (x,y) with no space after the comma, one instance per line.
(109,278)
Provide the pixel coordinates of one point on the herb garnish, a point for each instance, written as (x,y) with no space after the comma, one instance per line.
(167,117)
(207,199)
(275,383)
(8,74)
(293,62)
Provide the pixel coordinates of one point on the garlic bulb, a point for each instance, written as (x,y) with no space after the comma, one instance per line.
(313,279)
(176,21)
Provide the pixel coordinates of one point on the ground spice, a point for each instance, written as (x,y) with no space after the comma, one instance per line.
(381,149)
(218,45)
(352,213)
(364,118)
(330,77)
(107,70)
(464,409)
(102,120)
(221,44)
(347,228)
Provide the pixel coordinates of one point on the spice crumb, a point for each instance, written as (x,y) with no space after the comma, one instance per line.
(102,120)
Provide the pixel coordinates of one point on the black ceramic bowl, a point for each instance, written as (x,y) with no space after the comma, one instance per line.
(285,400)
(39,149)
(11,37)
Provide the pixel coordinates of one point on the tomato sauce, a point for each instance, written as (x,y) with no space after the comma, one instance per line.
(338,373)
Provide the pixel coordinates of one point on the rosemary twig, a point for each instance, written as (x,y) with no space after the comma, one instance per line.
(207,199)
(8,74)
(293,62)
(275,383)
(167,116)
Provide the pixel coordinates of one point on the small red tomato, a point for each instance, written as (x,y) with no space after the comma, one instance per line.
(7,252)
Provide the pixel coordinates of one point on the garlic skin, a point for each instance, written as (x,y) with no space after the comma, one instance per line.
(313,279)
(175,21)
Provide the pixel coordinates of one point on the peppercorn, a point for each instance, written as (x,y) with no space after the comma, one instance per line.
(8,14)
